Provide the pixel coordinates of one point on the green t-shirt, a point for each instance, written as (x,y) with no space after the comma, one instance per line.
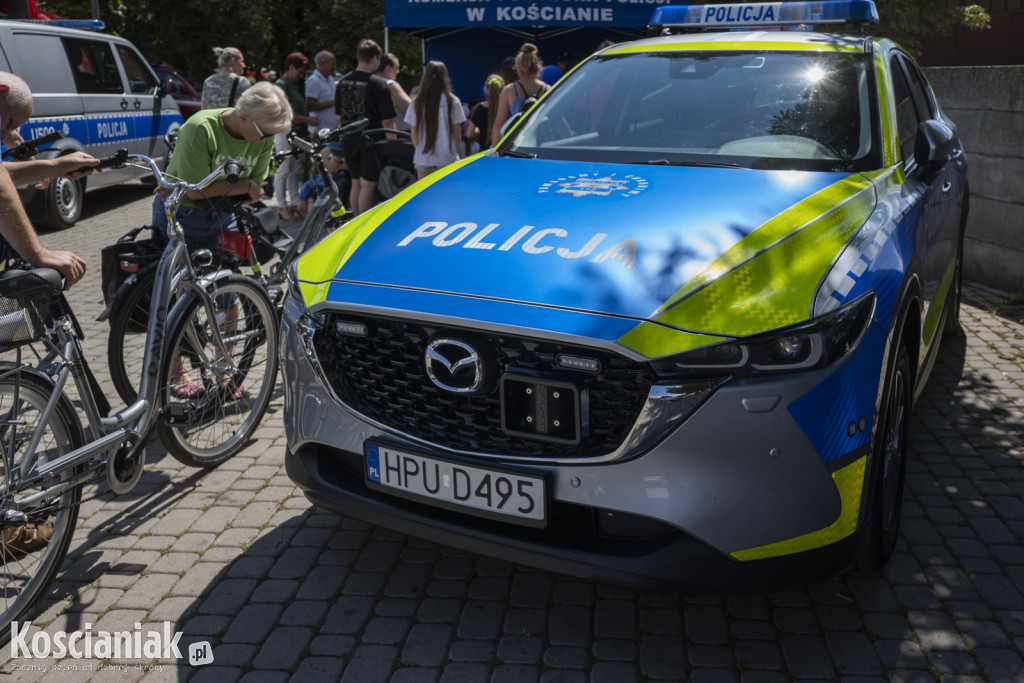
(204,144)
(296,97)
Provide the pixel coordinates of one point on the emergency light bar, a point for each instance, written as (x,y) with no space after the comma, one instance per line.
(764,14)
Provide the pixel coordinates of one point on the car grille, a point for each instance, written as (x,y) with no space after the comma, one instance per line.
(382,376)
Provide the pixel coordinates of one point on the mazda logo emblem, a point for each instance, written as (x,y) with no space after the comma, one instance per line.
(454,366)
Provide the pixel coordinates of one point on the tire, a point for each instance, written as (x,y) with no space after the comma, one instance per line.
(26,575)
(126,344)
(890,465)
(218,426)
(63,202)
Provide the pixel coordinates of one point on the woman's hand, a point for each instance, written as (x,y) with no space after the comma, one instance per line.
(254,190)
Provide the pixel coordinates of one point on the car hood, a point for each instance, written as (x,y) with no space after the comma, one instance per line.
(617,240)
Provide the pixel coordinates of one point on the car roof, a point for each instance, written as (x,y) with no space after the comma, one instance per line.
(42,27)
(747,40)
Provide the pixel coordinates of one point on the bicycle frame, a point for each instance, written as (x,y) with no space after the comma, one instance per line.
(132,425)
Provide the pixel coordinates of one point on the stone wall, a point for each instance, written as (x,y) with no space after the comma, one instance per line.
(987,104)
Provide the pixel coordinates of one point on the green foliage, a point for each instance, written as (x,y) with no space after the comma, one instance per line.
(184,32)
(908,21)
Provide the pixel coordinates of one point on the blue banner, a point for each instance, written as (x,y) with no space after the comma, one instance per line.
(459,13)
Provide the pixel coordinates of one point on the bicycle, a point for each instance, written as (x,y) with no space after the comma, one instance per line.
(129,306)
(45,457)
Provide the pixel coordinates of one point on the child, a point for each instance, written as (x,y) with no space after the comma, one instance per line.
(436,118)
(311,189)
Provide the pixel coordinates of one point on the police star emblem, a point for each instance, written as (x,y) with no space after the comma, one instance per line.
(591,185)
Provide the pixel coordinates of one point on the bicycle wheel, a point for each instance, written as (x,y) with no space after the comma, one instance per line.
(126,345)
(32,548)
(213,404)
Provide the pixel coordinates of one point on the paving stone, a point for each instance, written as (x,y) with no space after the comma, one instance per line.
(426,645)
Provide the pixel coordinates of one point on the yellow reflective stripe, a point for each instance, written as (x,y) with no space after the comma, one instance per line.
(775,287)
(849,481)
(799,214)
(655,341)
(317,268)
(887,109)
(931,320)
(735,45)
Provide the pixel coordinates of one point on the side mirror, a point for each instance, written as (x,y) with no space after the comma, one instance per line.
(933,144)
(167,86)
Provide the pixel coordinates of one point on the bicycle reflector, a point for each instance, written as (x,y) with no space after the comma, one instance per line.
(764,14)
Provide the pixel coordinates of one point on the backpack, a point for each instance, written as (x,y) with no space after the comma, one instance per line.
(529,100)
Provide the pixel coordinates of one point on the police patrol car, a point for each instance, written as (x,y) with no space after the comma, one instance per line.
(669,331)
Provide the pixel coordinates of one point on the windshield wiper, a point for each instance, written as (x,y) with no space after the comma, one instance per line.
(517,155)
(702,164)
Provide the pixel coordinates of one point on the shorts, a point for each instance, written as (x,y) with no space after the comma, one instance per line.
(361,158)
(428,169)
(201,228)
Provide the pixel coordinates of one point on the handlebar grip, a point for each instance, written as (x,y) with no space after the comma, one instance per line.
(117,159)
(27,149)
(301,144)
(232,169)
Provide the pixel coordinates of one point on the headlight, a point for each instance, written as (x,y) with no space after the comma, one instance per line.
(817,344)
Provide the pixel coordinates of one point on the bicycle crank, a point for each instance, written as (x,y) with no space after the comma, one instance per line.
(124,467)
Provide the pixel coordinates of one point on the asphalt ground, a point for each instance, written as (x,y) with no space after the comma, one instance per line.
(282,591)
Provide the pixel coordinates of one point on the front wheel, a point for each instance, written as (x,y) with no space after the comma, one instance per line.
(212,403)
(890,465)
(32,547)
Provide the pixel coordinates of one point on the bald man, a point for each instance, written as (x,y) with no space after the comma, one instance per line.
(15,110)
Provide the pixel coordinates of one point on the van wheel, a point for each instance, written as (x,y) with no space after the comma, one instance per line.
(890,466)
(63,202)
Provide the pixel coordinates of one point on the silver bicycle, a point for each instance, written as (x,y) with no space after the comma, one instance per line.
(210,367)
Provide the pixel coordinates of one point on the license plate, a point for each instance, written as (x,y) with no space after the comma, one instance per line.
(481,491)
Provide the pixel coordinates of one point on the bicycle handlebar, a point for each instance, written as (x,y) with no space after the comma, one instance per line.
(28,149)
(301,145)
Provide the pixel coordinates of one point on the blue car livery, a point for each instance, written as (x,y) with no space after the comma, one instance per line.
(668,331)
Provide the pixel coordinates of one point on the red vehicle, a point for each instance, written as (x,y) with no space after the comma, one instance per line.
(186,92)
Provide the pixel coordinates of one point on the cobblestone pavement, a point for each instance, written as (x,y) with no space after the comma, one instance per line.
(284,591)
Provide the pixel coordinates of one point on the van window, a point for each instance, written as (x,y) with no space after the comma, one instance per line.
(140,80)
(93,65)
(39,59)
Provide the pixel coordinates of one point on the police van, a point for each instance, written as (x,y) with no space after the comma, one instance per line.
(100,92)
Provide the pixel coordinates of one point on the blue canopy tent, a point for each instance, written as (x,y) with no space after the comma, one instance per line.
(472,37)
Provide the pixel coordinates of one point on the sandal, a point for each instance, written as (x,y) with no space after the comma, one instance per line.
(188,390)
(284,214)
(28,537)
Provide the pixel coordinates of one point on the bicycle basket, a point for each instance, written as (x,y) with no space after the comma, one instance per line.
(127,256)
(23,319)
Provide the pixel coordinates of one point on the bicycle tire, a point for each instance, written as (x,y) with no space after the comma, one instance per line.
(28,573)
(126,344)
(217,424)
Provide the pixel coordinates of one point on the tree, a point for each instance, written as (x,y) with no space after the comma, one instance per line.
(908,21)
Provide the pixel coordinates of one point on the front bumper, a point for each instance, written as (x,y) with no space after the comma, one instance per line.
(738,475)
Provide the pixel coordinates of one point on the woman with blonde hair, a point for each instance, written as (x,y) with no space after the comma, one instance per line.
(435,117)
(223,88)
(483,115)
(514,95)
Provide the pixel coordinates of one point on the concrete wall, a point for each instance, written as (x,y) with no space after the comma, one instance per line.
(987,104)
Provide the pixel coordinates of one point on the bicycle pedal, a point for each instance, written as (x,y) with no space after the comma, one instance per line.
(179,414)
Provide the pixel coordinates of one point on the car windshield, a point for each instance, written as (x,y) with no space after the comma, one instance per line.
(774,110)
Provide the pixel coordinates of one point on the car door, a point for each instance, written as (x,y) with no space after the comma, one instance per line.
(923,194)
(144,101)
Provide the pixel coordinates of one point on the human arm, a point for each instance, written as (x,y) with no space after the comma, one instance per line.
(399,98)
(19,233)
(66,166)
(501,116)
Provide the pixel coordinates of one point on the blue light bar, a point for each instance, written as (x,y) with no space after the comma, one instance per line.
(765,14)
(84,24)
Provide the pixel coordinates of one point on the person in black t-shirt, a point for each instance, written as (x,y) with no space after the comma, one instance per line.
(362,94)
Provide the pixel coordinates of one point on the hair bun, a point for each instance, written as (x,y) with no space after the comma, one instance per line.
(528,47)
(218,50)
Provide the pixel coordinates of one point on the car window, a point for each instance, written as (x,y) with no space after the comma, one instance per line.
(801,111)
(93,65)
(917,83)
(40,60)
(140,80)
(906,114)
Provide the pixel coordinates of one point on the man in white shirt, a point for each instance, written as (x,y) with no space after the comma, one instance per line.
(320,90)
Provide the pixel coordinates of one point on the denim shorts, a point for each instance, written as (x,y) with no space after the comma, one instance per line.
(201,228)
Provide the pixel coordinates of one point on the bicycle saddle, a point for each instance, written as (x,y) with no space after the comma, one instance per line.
(38,283)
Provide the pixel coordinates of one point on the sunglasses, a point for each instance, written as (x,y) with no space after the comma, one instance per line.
(263,136)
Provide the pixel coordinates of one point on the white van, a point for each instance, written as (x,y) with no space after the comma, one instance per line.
(100,92)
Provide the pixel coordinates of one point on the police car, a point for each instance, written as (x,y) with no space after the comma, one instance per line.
(668,332)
